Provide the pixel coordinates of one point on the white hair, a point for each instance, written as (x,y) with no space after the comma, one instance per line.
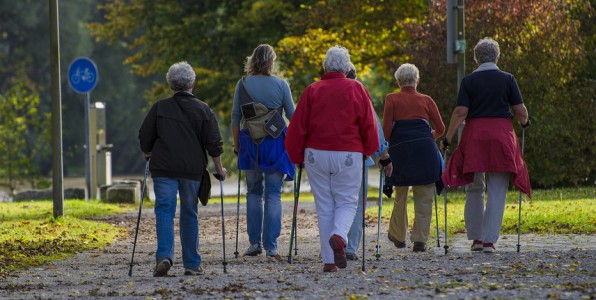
(181,77)
(337,59)
(487,50)
(407,75)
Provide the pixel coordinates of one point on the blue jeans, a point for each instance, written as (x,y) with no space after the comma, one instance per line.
(355,233)
(264,219)
(165,209)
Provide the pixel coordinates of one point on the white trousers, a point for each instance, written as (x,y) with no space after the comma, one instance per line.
(335,178)
(482,223)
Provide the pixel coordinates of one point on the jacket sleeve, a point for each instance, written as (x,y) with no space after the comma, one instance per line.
(148,130)
(387,119)
(436,120)
(382,142)
(211,137)
(298,130)
(368,126)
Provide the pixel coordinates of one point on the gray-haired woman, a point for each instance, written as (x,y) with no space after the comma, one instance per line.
(265,162)
(175,134)
(412,122)
(488,153)
(333,129)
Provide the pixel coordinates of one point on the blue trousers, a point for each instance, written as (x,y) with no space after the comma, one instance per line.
(263,207)
(166,190)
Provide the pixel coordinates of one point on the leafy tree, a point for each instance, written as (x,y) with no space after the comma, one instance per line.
(544,44)
(215,37)
(373,32)
(24,136)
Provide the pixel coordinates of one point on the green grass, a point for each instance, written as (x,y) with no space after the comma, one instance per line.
(558,211)
(552,211)
(30,236)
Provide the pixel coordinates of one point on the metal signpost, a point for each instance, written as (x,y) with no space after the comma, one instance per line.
(82,76)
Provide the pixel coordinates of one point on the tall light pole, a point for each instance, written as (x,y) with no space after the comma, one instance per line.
(57,171)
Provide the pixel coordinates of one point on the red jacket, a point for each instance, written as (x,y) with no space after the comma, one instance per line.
(487,145)
(333,114)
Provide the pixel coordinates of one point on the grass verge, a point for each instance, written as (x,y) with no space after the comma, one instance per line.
(30,236)
(557,211)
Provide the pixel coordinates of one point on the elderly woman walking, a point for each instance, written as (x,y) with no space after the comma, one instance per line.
(332,131)
(264,159)
(412,123)
(488,153)
(176,133)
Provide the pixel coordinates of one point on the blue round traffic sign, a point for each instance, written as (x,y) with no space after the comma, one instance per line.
(82,75)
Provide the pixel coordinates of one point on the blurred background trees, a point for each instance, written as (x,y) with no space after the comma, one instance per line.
(548,45)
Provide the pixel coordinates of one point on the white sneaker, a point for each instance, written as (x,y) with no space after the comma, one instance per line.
(488,248)
(253,250)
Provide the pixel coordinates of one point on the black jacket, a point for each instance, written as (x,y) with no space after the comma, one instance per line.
(177,131)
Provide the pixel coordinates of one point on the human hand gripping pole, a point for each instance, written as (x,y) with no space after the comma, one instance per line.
(134,245)
(223,226)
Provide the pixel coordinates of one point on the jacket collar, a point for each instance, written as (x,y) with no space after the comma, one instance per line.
(184,94)
(409,89)
(332,75)
(487,66)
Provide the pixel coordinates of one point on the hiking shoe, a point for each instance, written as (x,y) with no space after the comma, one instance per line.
(397,243)
(476,245)
(271,253)
(488,248)
(419,247)
(351,256)
(162,267)
(339,251)
(330,268)
(253,250)
(196,271)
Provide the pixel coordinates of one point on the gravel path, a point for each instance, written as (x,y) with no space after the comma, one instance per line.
(559,266)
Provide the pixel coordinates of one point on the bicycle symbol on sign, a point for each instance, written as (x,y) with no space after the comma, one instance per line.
(85,76)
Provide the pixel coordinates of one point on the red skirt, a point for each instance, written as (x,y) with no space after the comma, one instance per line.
(487,145)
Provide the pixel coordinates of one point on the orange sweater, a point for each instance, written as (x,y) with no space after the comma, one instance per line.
(408,104)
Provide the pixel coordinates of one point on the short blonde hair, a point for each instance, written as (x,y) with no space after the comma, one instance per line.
(407,75)
(261,61)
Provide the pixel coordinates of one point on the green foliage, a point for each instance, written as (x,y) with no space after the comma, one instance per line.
(548,46)
(558,211)
(375,41)
(24,136)
(30,236)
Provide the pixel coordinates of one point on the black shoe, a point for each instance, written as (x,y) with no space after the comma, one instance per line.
(162,267)
(419,247)
(351,256)
(397,243)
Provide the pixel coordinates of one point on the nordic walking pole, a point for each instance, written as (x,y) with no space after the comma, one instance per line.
(445,204)
(364,190)
(236,254)
(296,197)
(437,218)
(296,229)
(134,245)
(382,173)
(223,225)
(520,196)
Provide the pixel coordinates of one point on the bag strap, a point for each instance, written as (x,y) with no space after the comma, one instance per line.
(193,129)
(244,96)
